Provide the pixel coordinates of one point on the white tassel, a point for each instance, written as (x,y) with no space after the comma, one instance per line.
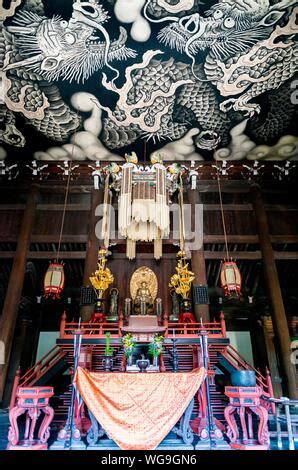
(130,249)
(157,248)
(144,213)
(105,233)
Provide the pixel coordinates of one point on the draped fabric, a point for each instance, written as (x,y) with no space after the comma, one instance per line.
(138,410)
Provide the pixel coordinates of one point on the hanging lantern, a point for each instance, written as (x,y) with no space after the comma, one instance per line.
(230,278)
(54,280)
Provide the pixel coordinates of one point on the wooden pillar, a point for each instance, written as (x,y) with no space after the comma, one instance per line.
(15,387)
(16,280)
(198,264)
(271,355)
(16,357)
(92,248)
(62,324)
(271,277)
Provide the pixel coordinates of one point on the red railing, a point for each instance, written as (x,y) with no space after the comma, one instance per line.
(239,362)
(191,330)
(41,367)
(90,330)
(265,382)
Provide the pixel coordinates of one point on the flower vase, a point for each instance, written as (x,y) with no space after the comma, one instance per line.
(155,361)
(129,360)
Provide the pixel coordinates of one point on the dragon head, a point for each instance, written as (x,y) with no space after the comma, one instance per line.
(228,28)
(69,50)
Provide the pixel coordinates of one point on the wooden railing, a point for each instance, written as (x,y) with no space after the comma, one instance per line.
(98,330)
(290,421)
(193,329)
(90,330)
(239,362)
(41,367)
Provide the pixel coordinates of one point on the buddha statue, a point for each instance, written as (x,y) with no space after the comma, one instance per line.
(143,303)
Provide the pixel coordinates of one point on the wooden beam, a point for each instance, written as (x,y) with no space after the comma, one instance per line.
(228,207)
(60,207)
(286,255)
(252,255)
(71,238)
(280,208)
(207,207)
(208,239)
(212,255)
(12,207)
(241,239)
(48,255)
(52,254)
(250,239)
(243,255)
(50,238)
(284,239)
(86,207)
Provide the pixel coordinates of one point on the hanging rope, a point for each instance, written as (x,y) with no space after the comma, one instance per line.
(106,220)
(181,216)
(222,213)
(64,209)
(67,190)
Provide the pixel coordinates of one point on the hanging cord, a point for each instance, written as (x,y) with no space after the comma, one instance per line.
(64,210)
(222,213)
(67,189)
(106,220)
(181,218)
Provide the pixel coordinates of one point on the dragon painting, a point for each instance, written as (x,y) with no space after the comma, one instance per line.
(243,51)
(242,57)
(39,51)
(204,70)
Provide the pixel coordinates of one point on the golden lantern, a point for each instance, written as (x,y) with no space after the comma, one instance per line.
(230,278)
(54,280)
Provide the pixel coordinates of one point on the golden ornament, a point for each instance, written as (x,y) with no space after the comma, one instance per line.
(182,281)
(102,278)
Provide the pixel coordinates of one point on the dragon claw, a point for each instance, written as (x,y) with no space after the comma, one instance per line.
(227,105)
(248,109)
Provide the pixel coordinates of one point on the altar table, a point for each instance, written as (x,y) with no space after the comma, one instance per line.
(138,410)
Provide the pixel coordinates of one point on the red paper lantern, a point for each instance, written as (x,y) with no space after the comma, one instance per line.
(230,278)
(54,280)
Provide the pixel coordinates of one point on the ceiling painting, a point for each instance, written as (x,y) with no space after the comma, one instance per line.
(189,79)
